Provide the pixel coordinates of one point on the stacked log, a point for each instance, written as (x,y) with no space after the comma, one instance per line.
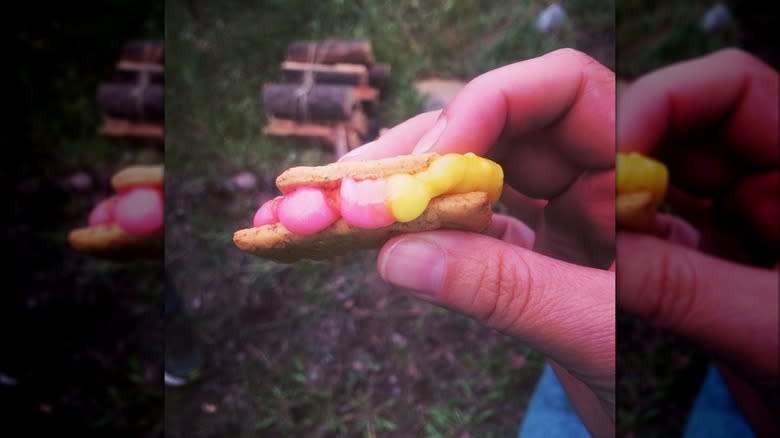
(132,104)
(328,90)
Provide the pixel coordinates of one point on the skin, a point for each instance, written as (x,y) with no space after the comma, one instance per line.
(710,271)
(550,122)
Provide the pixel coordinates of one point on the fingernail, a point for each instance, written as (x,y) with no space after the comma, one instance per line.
(431,137)
(415,264)
(357,152)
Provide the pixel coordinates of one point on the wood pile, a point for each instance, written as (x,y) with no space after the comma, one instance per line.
(131,104)
(328,90)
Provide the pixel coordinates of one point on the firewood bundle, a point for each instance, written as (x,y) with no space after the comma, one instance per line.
(132,103)
(328,90)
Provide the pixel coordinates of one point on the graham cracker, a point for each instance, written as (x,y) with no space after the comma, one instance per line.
(635,211)
(329,176)
(468,212)
(111,242)
(139,175)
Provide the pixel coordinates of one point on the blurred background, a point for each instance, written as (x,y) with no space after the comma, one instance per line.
(659,374)
(328,348)
(81,337)
(311,349)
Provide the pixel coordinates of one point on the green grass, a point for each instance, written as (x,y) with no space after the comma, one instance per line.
(652,34)
(82,333)
(327,347)
(659,374)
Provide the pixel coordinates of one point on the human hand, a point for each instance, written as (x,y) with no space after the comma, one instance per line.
(549,122)
(707,272)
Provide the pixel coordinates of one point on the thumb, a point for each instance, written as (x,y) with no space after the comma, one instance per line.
(563,310)
(728,308)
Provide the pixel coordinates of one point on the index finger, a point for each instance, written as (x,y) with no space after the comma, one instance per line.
(728,89)
(565,93)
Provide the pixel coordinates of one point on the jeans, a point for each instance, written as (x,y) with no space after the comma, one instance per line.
(714,413)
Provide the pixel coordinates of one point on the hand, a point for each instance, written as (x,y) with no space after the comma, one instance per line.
(549,122)
(707,273)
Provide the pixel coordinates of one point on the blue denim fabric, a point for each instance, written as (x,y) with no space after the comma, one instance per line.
(714,413)
(550,413)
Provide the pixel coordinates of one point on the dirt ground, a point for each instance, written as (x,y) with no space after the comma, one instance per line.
(311,349)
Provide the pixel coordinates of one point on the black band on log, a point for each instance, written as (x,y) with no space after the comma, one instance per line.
(379,75)
(316,102)
(346,74)
(131,101)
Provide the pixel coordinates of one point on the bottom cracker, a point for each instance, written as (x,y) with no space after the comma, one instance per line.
(635,211)
(112,243)
(468,212)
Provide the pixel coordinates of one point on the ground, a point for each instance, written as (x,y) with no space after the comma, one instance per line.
(322,349)
(328,348)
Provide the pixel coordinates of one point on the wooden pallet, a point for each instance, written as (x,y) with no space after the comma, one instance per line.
(328,90)
(131,104)
(113,127)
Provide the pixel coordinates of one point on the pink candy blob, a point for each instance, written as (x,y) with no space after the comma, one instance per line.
(103,213)
(266,214)
(139,211)
(306,211)
(363,203)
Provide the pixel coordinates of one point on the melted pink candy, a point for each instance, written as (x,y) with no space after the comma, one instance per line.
(363,203)
(139,211)
(267,213)
(306,211)
(103,213)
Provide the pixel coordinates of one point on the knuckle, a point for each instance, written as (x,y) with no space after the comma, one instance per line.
(569,52)
(506,284)
(739,58)
(676,290)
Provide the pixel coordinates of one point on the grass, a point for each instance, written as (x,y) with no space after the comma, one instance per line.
(81,336)
(659,374)
(327,348)
(651,35)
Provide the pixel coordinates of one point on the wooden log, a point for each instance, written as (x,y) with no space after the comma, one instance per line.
(114,127)
(131,101)
(346,74)
(315,103)
(339,135)
(287,127)
(331,52)
(359,122)
(143,51)
(368,98)
(139,73)
(379,75)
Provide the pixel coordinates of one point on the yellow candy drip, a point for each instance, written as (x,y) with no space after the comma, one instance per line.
(409,194)
(638,173)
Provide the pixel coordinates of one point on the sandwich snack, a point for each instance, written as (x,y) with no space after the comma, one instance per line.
(641,186)
(129,224)
(330,210)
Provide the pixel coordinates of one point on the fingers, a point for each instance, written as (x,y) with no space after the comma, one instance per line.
(677,230)
(398,140)
(535,298)
(752,205)
(729,89)
(560,106)
(702,298)
(527,209)
(579,225)
(565,92)
(511,231)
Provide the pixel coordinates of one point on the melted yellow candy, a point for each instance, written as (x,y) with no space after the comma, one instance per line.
(638,173)
(408,195)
